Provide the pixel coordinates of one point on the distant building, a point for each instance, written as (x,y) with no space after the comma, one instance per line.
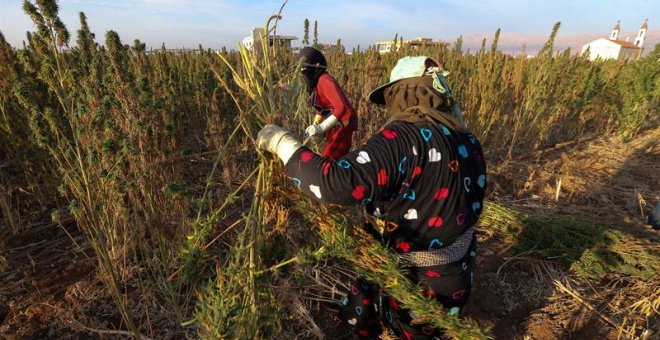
(392,45)
(613,48)
(254,40)
(329,48)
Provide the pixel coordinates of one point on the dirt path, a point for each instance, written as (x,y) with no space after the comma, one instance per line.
(605,181)
(44,266)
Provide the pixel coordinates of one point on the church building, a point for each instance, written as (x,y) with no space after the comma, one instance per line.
(614,48)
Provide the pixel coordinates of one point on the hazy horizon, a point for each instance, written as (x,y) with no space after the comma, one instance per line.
(224,23)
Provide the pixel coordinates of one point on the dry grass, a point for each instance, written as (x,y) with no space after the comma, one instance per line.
(598,177)
(142,148)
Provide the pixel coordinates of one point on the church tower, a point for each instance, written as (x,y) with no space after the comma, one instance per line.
(639,41)
(615,31)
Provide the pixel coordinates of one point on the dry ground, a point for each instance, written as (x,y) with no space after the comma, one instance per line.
(49,287)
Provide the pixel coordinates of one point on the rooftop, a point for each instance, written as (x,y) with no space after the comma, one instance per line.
(283,37)
(625,43)
(416,41)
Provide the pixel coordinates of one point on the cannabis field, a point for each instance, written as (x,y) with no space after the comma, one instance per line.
(133,201)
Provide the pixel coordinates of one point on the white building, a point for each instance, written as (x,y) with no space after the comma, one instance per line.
(392,45)
(254,40)
(613,48)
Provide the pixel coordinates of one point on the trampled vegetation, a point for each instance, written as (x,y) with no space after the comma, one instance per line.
(150,156)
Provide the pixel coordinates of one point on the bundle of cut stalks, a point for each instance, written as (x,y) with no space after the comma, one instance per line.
(239,303)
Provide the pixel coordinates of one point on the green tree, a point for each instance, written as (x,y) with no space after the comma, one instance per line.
(306,35)
(316,34)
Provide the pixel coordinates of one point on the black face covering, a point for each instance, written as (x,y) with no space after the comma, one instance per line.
(313,64)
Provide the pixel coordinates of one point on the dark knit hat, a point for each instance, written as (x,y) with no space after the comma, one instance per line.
(313,65)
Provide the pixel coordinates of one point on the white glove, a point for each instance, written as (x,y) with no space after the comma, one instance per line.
(328,123)
(312,131)
(279,141)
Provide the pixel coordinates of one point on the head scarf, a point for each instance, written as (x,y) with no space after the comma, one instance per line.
(313,66)
(410,92)
(415,100)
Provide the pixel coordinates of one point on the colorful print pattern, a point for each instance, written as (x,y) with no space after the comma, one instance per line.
(426,179)
(367,309)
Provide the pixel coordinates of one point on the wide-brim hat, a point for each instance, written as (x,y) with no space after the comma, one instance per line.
(406,67)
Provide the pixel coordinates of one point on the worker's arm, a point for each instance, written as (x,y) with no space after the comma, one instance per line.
(360,177)
(330,89)
(321,127)
(363,176)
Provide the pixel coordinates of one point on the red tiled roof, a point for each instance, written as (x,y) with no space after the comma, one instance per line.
(625,43)
(645,25)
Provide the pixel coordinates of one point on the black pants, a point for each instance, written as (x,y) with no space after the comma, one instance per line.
(367,309)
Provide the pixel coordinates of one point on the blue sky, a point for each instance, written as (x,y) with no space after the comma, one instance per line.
(216,23)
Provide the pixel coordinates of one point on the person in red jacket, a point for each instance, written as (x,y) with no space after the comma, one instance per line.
(335,115)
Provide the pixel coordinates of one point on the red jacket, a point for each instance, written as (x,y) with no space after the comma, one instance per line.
(328,98)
